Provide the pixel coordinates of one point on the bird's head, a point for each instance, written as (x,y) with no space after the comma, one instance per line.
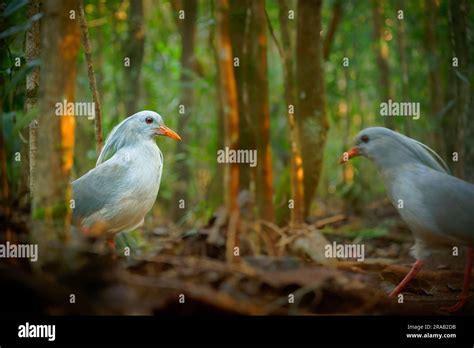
(147,124)
(389,149)
(140,127)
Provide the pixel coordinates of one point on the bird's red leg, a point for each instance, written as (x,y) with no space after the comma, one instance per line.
(413,272)
(111,243)
(467,282)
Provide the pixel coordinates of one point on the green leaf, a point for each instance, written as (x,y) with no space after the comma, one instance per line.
(21,75)
(13,6)
(20,27)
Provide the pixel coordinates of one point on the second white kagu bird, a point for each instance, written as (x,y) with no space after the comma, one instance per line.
(437,207)
(116,195)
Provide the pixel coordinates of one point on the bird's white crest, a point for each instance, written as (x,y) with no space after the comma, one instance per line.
(433,155)
(409,149)
(113,141)
(122,135)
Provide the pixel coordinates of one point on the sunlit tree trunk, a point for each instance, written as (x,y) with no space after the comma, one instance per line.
(70,49)
(296,175)
(459,133)
(229,100)
(312,119)
(134,48)
(59,46)
(381,52)
(259,109)
(188,37)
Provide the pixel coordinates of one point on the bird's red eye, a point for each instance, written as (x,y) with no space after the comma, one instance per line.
(149,120)
(365,138)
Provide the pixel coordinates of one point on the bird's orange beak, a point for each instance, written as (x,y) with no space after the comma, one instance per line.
(163,130)
(346,156)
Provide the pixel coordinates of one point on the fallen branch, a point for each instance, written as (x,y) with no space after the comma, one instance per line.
(330,220)
(200,293)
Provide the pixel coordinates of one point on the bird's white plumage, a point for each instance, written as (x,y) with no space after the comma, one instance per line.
(118,193)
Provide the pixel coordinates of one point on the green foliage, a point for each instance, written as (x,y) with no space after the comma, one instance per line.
(132,239)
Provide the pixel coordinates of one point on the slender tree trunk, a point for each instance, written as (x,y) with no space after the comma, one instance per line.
(188,39)
(92,79)
(216,187)
(334,24)
(134,48)
(346,114)
(32,51)
(240,39)
(259,109)
(461,129)
(312,119)
(4,193)
(229,100)
(402,52)
(58,50)
(101,12)
(381,52)
(434,72)
(297,175)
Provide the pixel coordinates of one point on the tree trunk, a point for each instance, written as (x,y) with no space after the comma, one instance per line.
(259,109)
(188,37)
(312,120)
(460,125)
(92,79)
(240,39)
(59,37)
(296,174)
(216,187)
(4,192)
(32,51)
(335,19)
(434,72)
(402,52)
(229,100)
(70,47)
(347,117)
(134,48)
(381,52)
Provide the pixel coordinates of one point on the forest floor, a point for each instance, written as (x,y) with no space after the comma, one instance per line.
(189,275)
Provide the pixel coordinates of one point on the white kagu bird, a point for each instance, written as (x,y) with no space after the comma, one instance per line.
(437,207)
(116,195)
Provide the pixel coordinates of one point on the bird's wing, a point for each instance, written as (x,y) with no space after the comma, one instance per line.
(98,187)
(450,202)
